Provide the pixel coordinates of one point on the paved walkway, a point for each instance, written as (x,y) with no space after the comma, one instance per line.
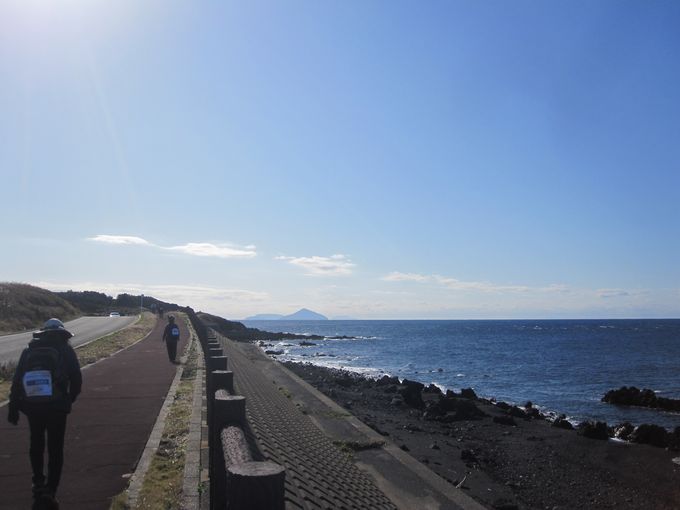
(106,432)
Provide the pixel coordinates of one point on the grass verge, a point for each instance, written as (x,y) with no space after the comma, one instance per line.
(358,446)
(94,351)
(162,486)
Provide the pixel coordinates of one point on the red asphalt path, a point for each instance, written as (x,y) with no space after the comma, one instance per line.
(105,433)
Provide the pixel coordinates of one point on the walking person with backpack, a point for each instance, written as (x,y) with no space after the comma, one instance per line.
(171,338)
(46,383)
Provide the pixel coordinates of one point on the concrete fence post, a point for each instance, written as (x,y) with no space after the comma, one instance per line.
(227,410)
(223,380)
(255,486)
(218,363)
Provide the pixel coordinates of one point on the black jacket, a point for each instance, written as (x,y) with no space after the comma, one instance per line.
(70,387)
(167,332)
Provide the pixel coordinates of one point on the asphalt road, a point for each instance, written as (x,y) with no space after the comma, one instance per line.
(84,330)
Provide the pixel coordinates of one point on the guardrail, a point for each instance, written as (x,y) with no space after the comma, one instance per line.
(239,478)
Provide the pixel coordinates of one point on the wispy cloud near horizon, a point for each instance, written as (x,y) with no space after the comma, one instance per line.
(335,265)
(222,250)
(109,239)
(456,284)
(214,250)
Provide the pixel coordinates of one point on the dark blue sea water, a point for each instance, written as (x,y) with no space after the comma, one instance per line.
(563,366)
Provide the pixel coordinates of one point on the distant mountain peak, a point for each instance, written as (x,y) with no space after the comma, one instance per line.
(303,314)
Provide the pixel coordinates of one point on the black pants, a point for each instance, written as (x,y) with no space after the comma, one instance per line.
(54,426)
(172,348)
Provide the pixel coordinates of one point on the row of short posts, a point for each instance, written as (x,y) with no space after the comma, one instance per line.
(237,482)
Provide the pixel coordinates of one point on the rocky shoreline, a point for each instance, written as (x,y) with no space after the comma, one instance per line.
(510,457)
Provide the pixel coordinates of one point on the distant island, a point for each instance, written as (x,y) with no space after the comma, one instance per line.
(303,314)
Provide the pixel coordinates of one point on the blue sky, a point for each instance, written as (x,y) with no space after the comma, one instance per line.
(378,159)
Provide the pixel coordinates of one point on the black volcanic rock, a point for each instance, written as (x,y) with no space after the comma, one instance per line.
(592,430)
(562,423)
(650,434)
(632,396)
(623,431)
(449,409)
(411,392)
(468,393)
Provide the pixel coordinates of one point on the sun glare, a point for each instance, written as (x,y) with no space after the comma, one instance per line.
(34,21)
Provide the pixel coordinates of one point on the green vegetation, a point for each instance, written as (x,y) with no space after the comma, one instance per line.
(6,375)
(358,446)
(24,307)
(98,303)
(162,488)
(334,414)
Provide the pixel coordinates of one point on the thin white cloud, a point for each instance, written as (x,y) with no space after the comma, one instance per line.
(396,276)
(214,250)
(619,293)
(223,250)
(335,265)
(453,283)
(108,239)
(456,284)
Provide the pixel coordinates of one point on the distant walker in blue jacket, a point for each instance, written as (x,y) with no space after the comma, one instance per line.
(171,337)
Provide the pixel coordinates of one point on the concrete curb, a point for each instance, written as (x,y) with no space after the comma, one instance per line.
(137,478)
(191,493)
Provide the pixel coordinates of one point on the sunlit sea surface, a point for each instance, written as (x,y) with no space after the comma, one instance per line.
(562,366)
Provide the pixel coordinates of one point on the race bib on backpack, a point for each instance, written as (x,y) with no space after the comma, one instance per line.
(42,373)
(38,383)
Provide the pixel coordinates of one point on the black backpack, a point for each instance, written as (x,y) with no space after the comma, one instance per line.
(42,375)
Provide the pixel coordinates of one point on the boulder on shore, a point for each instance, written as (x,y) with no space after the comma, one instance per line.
(561,422)
(632,396)
(650,434)
(386,380)
(623,431)
(597,430)
(411,392)
(468,393)
(449,409)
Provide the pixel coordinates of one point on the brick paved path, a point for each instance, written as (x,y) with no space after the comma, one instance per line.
(318,474)
(106,432)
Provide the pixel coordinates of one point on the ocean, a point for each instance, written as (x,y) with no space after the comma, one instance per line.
(561,366)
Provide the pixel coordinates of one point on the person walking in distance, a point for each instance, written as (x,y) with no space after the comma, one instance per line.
(46,383)
(171,338)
